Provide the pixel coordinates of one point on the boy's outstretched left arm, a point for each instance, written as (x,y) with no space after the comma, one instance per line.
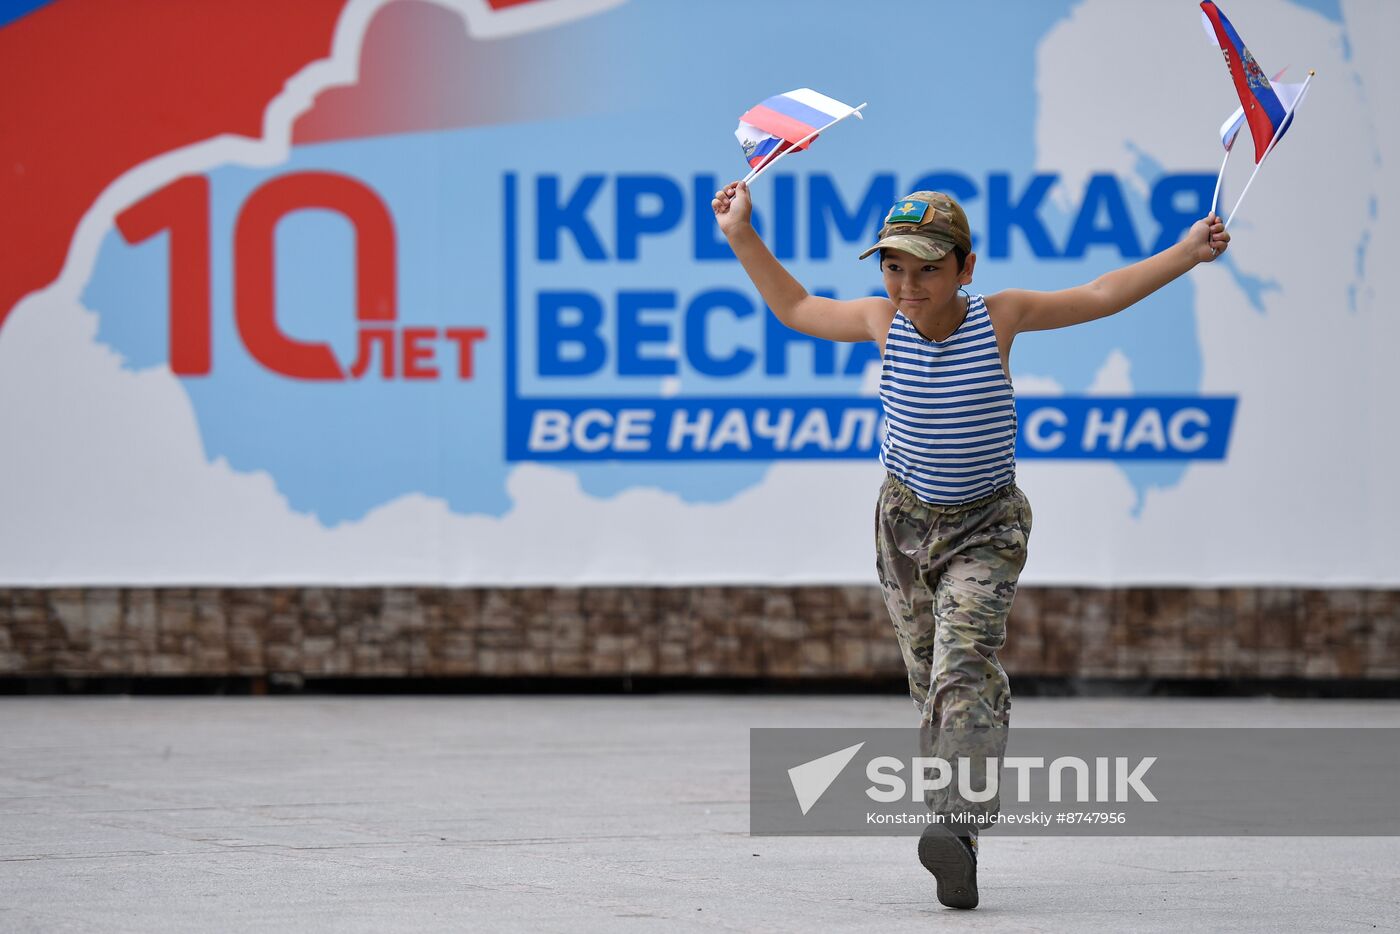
(1116,290)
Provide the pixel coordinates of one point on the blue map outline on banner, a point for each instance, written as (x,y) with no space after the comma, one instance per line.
(338,450)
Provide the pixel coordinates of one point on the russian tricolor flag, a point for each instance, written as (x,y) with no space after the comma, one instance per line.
(1262,107)
(796,115)
(758,145)
(1287,94)
(770,130)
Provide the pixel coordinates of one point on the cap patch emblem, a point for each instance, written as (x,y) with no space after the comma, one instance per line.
(907,212)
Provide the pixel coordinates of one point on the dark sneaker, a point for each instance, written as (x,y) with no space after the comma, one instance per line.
(953,861)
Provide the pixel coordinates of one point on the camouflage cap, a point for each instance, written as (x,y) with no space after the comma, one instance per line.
(926,223)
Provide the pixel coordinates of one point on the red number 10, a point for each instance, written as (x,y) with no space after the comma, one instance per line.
(182,208)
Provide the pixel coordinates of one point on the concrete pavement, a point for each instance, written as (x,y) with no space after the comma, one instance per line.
(578,813)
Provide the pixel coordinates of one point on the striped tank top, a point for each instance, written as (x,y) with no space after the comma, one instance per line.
(950,414)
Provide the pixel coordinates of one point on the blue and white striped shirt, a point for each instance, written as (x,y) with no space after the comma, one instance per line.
(950,414)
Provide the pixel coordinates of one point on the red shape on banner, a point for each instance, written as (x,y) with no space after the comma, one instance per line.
(93,89)
(255,277)
(420,69)
(182,208)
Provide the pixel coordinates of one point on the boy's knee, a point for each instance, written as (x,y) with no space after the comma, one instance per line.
(979,634)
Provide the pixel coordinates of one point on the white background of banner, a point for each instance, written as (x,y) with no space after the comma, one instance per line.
(104,478)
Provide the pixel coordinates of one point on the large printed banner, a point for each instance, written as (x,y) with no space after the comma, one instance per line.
(430,290)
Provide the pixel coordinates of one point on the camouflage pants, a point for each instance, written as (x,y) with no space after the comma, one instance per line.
(949,575)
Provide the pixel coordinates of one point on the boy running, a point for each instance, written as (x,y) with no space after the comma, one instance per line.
(951,525)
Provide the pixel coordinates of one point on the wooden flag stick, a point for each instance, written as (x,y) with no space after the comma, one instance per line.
(777,154)
(1287,118)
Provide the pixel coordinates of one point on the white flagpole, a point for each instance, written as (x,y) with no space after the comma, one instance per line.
(778,154)
(1215,198)
(1281,127)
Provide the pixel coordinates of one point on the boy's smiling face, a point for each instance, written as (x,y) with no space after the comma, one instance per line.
(924,287)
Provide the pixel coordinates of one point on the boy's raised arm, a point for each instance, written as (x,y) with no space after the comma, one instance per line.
(810,314)
(1115,290)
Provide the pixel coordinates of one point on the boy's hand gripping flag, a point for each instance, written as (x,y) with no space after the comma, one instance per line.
(1267,109)
(772,129)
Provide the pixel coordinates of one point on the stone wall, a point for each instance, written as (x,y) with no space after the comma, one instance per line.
(707,632)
